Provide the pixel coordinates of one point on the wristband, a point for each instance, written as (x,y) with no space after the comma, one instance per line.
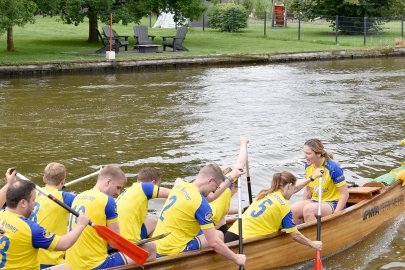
(311,178)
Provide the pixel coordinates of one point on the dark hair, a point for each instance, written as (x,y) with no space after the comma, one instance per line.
(279,180)
(148,174)
(317,146)
(18,191)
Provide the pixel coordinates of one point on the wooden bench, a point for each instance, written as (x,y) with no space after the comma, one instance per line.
(148,48)
(357,194)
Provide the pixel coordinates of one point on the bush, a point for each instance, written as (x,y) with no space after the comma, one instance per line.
(228,17)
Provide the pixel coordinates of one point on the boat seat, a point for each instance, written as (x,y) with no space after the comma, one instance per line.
(357,194)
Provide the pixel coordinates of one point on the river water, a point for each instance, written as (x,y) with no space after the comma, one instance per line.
(178,120)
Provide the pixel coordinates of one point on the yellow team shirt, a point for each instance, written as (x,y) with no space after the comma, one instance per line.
(266,216)
(20,239)
(332,179)
(132,207)
(185,212)
(90,250)
(54,219)
(220,206)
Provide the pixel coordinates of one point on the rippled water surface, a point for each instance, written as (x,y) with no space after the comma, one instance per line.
(177,120)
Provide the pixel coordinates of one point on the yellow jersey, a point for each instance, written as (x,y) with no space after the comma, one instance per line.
(53,218)
(266,216)
(220,206)
(90,250)
(332,179)
(185,212)
(20,239)
(132,207)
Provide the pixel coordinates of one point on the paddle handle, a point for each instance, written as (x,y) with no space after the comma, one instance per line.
(240,220)
(319,215)
(78,180)
(249,185)
(50,196)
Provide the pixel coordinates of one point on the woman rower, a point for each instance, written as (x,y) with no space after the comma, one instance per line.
(271,212)
(334,188)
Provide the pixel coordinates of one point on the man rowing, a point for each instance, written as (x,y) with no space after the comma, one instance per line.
(49,214)
(20,237)
(132,207)
(187,210)
(91,251)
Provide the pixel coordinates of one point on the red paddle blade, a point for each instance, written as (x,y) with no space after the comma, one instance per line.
(318,262)
(116,241)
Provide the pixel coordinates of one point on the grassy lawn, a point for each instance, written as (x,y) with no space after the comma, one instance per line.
(49,40)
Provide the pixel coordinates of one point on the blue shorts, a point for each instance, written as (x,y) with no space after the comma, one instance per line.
(144,232)
(113,260)
(194,244)
(332,204)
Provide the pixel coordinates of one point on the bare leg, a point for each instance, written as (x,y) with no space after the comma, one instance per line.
(150,224)
(297,211)
(311,210)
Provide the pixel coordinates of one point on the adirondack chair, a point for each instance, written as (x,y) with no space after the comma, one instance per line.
(141,36)
(176,42)
(106,44)
(116,39)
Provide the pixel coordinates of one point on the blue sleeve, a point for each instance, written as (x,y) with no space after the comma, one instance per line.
(147,188)
(41,238)
(111,208)
(287,221)
(204,212)
(336,173)
(68,198)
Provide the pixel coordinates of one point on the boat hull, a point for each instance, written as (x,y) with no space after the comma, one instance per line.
(339,232)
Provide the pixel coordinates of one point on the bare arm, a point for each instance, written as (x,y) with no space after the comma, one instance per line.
(3,191)
(114,227)
(344,196)
(67,240)
(237,170)
(307,194)
(302,183)
(300,238)
(163,192)
(219,247)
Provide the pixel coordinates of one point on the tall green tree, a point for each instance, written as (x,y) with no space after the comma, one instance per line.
(125,11)
(15,13)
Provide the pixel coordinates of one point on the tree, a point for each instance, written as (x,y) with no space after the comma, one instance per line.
(15,13)
(125,11)
(348,8)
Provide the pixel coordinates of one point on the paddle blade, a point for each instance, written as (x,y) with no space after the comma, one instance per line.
(116,241)
(318,262)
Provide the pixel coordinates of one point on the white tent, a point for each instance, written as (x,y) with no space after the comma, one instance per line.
(165,20)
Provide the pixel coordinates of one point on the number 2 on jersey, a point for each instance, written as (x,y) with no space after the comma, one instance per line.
(172,200)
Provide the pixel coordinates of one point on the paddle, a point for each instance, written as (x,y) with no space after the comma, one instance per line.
(240,220)
(248,180)
(115,240)
(318,262)
(82,178)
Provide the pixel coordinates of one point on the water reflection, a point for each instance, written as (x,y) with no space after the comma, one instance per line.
(177,120)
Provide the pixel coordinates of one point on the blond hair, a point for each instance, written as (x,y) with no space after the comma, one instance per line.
(317,146)
(279,181)
(54,173)
(211,170)
(111,171)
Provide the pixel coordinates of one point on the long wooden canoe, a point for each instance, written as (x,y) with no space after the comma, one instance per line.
(371,207)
